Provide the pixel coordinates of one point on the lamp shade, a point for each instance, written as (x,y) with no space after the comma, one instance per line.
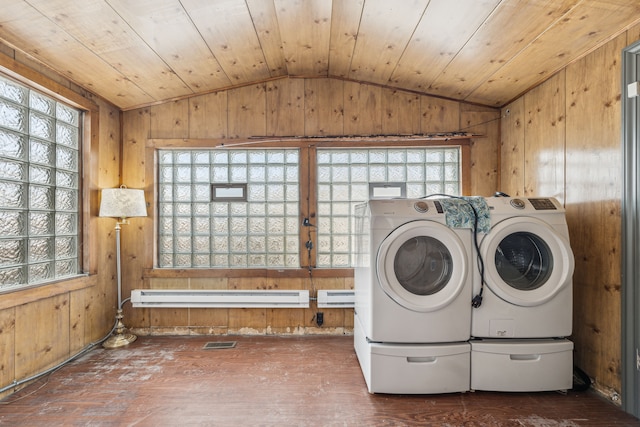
(122,203)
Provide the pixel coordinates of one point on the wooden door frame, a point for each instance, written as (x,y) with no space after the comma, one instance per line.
(631,233)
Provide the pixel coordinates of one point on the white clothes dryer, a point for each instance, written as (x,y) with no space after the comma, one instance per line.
(528,269)
(413,278)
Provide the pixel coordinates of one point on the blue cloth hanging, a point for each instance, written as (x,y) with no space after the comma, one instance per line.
(459,214)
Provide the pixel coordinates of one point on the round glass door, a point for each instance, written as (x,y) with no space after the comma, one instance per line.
(524,261)
(422,265)
(527,262)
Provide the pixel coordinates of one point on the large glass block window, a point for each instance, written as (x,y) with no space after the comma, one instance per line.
(344,176)
(195,232)
(39,187)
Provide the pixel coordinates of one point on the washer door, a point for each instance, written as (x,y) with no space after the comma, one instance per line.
(527,262)
(422,265)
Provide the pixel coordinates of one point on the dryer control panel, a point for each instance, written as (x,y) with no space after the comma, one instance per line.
(543,204)
(517,203)
(524,205)
(537,204)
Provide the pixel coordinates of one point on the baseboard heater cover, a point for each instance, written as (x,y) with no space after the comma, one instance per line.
(205,298)
(336,298)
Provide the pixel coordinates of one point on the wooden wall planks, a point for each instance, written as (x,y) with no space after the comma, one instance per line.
(362,109)
(285,108)
(323,107)
(512,171)
(247,111)
(545,124)
(7,346)
(401,112)
(41,334)
(208,116)
(441,115)
(282,107)
(137,237)
(593,194)
(485,151)
(563,139)
(170,118)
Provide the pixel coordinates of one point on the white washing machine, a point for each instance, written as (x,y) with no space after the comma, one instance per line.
(413,284)
(528,271)
(413,278)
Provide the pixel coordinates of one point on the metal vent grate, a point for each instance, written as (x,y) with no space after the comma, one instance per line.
(219,345)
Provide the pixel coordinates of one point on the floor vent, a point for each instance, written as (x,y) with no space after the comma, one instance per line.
(219,345)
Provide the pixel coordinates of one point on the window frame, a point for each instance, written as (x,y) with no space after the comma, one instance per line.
(87,186)
(307,186)
(290,158)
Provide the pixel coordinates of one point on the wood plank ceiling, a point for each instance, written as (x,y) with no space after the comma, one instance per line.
(137,53)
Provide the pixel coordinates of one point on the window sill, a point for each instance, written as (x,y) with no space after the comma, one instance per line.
(159,273)
(13,298)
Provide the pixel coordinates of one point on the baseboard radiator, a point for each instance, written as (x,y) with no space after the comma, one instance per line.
(203,298)
(336,298)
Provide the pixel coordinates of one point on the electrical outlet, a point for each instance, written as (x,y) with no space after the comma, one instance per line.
(319,318)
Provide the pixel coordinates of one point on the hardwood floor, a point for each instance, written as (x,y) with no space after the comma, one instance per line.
(268,381)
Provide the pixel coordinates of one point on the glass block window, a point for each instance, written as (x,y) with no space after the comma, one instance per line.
(39,187)
(261,232)
(343,182)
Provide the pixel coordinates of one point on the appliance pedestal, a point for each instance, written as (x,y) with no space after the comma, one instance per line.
(413,368)
(521,364)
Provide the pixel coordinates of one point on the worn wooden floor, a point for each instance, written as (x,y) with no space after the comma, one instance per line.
(268,381)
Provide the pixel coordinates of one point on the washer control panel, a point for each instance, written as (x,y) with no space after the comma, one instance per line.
(412,208)
(539,204)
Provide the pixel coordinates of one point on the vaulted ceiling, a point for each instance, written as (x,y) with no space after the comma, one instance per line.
(140,52)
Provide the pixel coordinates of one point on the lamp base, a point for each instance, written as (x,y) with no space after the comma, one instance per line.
(119,338)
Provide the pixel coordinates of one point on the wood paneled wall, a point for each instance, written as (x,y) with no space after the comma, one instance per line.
(284,107)
(42,326)
(562,139)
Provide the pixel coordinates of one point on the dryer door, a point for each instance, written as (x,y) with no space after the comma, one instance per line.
(422,265)
(526,261)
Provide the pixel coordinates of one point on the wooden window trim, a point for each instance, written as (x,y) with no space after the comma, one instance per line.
(307,202)
(88,185)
